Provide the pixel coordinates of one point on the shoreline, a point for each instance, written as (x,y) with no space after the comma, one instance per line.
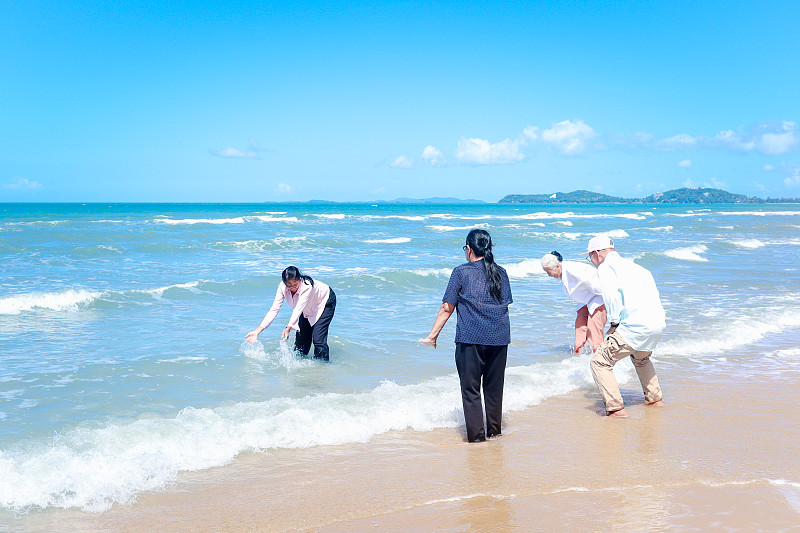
(698,463)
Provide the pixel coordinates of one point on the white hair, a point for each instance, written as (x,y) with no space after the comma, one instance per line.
(549,261)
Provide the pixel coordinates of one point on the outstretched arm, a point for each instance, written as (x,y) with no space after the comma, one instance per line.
(271,314)
(441,319)
(253,335)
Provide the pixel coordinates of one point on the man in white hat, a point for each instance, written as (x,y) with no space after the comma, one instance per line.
(637,321)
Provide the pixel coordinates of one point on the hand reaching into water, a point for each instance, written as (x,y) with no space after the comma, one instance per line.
(252,336)
(430,341)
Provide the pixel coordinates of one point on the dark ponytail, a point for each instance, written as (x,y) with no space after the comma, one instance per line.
(481,243)
(292,272)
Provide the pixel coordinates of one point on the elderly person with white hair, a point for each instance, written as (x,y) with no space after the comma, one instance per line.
(582,285)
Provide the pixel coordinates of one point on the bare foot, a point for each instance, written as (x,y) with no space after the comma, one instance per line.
(659,403)
(617,414)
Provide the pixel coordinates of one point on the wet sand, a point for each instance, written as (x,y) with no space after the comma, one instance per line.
(722,454)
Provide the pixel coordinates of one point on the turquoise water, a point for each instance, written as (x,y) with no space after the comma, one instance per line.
(122,361)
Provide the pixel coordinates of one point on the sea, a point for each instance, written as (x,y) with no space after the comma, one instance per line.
(123,363)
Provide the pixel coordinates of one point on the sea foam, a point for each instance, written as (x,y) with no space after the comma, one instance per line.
(748,243)
(524,268)
(68,300)
(737,333)
(395,240)
(92,468)
(72,300)
(688,253)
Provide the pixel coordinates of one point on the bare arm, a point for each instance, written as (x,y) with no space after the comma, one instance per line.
(441,319)
(271,314)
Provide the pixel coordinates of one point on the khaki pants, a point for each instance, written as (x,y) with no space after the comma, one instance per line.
(590,327)
(613,349)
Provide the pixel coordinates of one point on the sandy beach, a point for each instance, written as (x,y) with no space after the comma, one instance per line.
(719,456)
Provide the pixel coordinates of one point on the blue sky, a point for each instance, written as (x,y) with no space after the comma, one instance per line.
(293,101)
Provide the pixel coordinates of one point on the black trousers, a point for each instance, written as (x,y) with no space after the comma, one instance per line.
(476,362)
(318,333)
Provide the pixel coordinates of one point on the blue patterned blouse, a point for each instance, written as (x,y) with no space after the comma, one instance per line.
(481,318)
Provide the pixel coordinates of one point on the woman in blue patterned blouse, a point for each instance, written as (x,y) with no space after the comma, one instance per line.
(480,291)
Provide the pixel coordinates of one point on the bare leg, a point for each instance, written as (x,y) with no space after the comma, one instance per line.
(581,328)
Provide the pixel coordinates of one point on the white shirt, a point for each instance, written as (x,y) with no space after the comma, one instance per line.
(632,300)
(308,300)
(581,283)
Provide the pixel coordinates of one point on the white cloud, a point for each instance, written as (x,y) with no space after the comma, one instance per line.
(22,184)
(731,140)
(678,142)
(530,134)
(433,156)
(402,162)
(233,153)
(793,178)
(769,138)
(482,152)
(717,184)
(769,168)
(283,188)
(778,143)
(570,138)
(686,163)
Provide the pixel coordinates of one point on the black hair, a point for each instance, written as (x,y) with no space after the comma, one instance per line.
(292,272)
(558,256)
(481,243)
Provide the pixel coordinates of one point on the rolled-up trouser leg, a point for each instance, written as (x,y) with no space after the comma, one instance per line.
(595,326)
(602,364)
(581,327)
(647,376)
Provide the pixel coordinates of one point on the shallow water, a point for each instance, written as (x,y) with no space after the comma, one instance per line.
(121,327)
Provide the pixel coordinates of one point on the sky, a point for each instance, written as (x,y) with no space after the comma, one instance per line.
(191,101)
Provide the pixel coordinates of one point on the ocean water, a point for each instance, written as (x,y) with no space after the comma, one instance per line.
(122,353)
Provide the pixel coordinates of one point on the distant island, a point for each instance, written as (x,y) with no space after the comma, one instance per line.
(434,200)
(675,196)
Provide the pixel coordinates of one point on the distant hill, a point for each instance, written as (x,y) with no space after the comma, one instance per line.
(675,196)
(574,197)
(434,200)
(699,196)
